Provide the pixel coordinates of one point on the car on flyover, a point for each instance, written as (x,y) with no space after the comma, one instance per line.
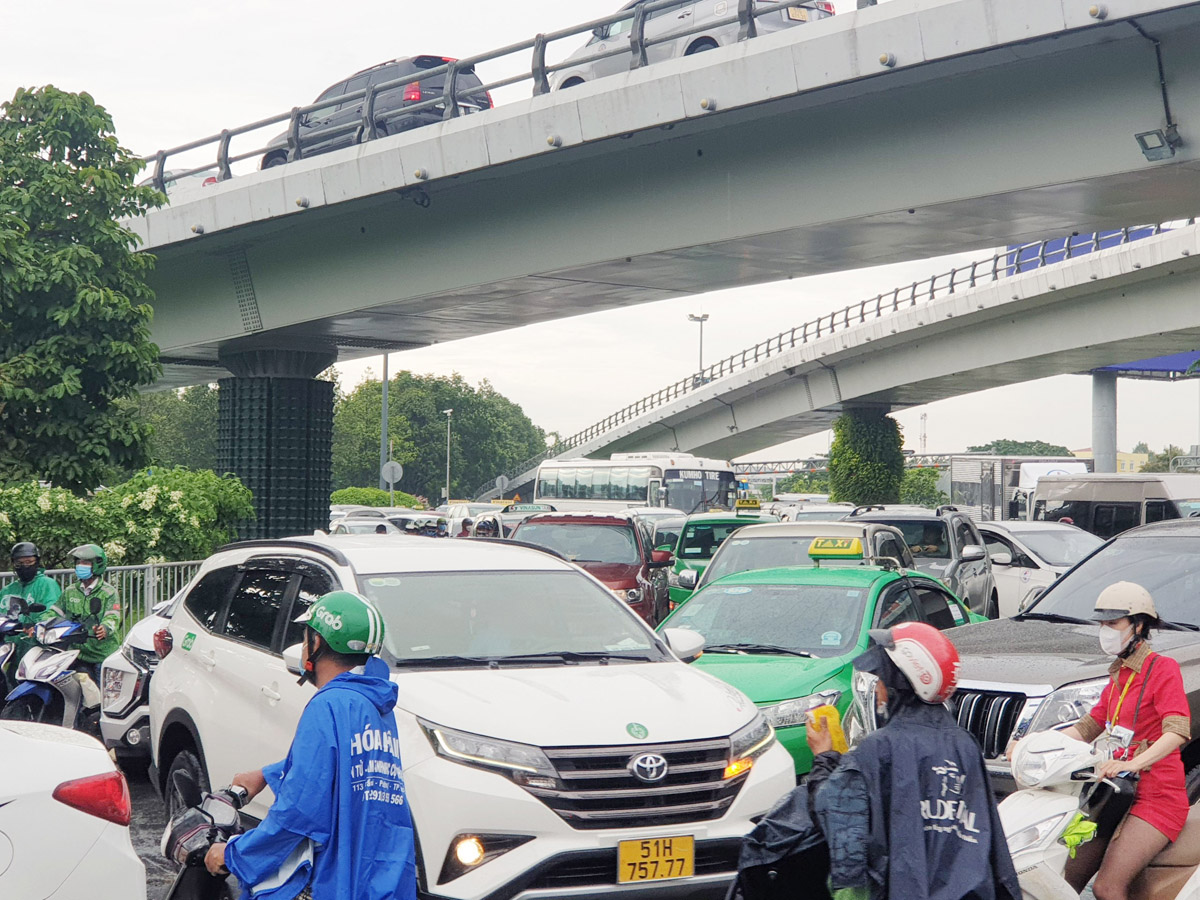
(527,696)
(673,30)
(339,122)
(1028,556)
(788,637)
(64,818)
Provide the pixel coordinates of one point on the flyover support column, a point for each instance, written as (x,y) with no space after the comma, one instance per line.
(275,431)
(1104,421)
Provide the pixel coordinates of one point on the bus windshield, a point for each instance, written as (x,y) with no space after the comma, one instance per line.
(697,490)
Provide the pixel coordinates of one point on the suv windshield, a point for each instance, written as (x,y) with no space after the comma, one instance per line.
(439,618)
(1060,548)
(926,538)
(821,620)
(584,543)
(700,541)
(1168,567)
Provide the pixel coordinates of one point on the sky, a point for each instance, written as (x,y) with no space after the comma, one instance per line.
(173,72)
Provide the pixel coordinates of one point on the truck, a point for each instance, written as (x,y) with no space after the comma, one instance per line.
(989,488)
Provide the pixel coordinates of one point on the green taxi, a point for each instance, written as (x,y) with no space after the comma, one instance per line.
(698,536)
(787,637)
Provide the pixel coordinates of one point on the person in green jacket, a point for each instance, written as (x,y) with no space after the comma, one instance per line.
(91,597)
(32,585)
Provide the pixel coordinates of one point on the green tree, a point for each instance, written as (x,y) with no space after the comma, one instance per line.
(866,460)
(1161,462)
(920,488)
(183,426)
(74,303)
(1141,447)
(372,496)
(804,483)
(1005,447)
(488,433)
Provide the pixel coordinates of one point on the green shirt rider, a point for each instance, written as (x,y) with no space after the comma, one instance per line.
(32,585)
(77,603)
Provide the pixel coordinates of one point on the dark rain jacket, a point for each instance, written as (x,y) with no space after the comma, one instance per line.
(909,813)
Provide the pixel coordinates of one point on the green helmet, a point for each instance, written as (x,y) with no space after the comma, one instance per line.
(349,623)
(94,554)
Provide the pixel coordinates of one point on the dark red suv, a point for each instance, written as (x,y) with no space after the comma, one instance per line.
(613,549)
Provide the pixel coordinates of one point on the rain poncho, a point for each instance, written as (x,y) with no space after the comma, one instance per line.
(40,589)
(340,819)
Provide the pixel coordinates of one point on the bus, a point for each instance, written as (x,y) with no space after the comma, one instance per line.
(675,480)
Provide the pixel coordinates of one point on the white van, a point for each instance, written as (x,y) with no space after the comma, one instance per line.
(1109,504)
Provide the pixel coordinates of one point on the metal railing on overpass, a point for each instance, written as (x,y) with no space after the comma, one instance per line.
(821,464)
(373,123)
(987,270)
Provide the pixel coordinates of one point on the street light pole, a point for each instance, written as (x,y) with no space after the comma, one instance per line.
(384,456)
(448,413)
(701,319)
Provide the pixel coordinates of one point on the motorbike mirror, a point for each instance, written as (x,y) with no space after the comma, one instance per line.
(95,604)
(183,783)
(34,607)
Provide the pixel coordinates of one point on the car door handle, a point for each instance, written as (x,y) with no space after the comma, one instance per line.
(684,15)
(207,660)
(270,694)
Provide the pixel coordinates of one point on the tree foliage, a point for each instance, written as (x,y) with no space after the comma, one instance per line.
(357,496)
(1005,447)
(804,483)
(1161,462)
(920,488)
(866,460)
(183,426)
(488,433)
(74,303)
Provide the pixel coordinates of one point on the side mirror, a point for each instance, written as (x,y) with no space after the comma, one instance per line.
(1002,558)
(660,559)
(36,607)
(973,552)
(688,579)
(600,31)
(291,659)
(95,605)
(687,645)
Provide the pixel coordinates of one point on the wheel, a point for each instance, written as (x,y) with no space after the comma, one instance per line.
(1191,783)
(272,161)
(185,760)
(570,83)
(23,709)
(700,46)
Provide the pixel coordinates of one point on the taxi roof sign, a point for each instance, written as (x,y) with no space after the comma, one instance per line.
(747,503)
(836,548)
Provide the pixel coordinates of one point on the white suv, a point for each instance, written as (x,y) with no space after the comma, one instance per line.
(537,715)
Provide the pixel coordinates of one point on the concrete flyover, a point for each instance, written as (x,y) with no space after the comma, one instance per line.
(1105,308)
(911,129)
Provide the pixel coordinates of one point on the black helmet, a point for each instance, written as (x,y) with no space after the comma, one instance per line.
(25,548)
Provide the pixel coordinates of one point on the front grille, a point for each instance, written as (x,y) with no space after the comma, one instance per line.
(598,868)
(598,791)
(990,717)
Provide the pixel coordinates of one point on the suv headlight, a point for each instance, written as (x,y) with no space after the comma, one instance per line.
(1067,705)
(525,764)
(795,712)
(748,744)
(633,595)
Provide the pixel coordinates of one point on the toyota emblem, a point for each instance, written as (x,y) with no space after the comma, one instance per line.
(648,767)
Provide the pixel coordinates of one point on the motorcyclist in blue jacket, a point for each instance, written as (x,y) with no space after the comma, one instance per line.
(339,828)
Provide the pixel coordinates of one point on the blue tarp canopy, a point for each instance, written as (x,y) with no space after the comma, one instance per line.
(1166,368)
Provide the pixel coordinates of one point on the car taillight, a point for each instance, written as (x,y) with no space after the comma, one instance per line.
(163,642)
(825,7)
(412,92)
(488,94)
(211,179)
(103,796)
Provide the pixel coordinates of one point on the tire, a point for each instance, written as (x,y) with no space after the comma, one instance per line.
(185,760)
(1191,782)
(570,83)
(24,709)
(700,46)
(272,161)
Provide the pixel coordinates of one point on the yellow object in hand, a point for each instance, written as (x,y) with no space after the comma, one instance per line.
(827,718)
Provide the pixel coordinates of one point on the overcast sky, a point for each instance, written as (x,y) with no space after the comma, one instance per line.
(172,72)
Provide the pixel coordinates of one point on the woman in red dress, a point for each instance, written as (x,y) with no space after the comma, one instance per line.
(1143,715)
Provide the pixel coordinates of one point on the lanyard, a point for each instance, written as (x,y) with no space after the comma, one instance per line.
(1121,700)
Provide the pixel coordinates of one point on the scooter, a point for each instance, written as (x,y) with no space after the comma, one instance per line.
(1057,781)
(206,819)
(11,629)
(48,689)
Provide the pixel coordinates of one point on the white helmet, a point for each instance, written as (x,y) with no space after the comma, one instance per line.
(1124,598)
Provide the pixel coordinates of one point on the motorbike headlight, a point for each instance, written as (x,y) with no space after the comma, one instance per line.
(1030,771)
(1033,835)
(795,712)
(748,744)
(1067,705)
(525,764)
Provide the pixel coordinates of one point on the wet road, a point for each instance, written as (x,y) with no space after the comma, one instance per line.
(149,819)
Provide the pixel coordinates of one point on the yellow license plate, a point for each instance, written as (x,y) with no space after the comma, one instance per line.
(656,859)
(797,15)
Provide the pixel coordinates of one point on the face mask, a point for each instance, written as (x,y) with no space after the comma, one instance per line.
(1113,641)
(82,572)
(26,573)
(881,712)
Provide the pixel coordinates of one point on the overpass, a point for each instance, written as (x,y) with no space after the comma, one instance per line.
(913,129)
(972,329)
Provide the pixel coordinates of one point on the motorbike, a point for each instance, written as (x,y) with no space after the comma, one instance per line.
(1057,781)
(11,629)
(48,689)
(204,820)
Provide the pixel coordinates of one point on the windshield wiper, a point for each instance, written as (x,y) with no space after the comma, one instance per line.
(573,656)
(1178,626)
(443,661)
(756,649)
(1053,617)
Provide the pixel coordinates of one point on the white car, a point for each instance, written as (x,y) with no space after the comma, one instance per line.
(1027,556)
(538,716)
(64,818)
(125,688)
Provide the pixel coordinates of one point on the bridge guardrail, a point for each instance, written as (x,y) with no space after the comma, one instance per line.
(1010,261)
(747,14)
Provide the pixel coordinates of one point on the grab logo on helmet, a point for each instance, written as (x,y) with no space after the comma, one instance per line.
(334,622)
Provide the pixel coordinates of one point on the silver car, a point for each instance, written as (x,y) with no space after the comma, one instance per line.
(677,19)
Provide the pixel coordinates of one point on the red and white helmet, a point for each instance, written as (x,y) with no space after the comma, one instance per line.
(926,657)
